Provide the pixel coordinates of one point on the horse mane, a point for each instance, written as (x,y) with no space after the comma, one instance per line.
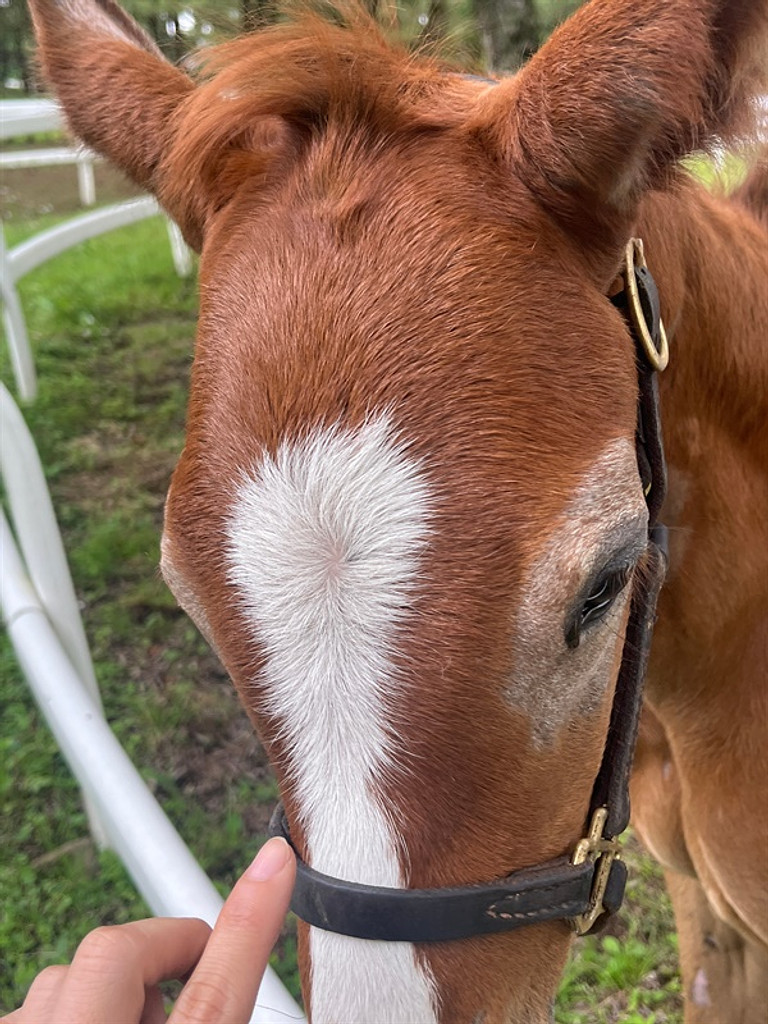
(268,94)
(313,67)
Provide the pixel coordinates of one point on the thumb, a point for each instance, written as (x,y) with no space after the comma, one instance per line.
(224,985)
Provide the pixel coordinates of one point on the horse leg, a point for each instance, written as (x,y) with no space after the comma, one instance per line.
(657,798)
(725,976)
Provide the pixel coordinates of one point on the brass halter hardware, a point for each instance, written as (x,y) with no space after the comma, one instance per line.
(634,258)
(597,849)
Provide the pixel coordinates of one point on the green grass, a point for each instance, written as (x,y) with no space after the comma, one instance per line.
(112,327)
(630,974)
(721,175)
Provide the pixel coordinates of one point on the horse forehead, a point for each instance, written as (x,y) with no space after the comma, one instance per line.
(408,249)
(335,529)
(458,319)
(348,294)
(431,205)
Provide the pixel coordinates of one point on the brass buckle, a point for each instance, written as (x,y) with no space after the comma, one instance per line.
(634,256)
(602,852)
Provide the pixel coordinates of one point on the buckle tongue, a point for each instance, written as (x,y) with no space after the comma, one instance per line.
(602,852)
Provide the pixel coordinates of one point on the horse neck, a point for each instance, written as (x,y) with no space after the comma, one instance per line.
(710,259)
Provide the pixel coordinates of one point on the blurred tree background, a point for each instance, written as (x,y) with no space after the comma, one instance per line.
(497,35)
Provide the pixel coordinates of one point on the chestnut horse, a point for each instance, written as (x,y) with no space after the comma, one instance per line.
(408,514)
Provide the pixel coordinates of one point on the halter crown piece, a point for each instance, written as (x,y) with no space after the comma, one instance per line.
(588,886)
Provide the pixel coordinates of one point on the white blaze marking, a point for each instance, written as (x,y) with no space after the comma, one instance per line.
(324,544)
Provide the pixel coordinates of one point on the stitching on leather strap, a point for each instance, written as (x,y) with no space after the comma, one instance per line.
(568,909)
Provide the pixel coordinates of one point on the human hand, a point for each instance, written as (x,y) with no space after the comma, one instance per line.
(116,971)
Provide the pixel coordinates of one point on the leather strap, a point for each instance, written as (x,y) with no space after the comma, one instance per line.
(553,890)
(611,788)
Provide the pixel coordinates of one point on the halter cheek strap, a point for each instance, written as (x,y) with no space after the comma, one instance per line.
(585,888)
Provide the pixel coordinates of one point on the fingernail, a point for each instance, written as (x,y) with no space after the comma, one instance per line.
(270,860)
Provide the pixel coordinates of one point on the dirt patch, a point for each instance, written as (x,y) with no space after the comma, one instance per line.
(34,191)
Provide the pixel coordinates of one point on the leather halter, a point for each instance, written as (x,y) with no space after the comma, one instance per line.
(589,885)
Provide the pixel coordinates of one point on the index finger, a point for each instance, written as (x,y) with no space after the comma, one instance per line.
(225,983)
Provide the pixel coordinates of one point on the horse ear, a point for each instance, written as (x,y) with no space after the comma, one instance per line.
(118,92)
(616,96)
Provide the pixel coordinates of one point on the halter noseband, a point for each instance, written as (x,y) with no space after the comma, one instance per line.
(589,885)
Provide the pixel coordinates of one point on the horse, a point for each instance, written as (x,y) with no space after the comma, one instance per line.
(409,516)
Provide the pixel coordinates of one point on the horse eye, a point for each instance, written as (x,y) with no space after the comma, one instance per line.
(596,605)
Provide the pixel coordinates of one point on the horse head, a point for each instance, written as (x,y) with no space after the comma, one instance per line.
(408,515)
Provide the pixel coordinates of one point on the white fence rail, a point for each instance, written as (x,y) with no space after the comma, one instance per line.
(19,117)
(25,117)
(81,158)
(28,117)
